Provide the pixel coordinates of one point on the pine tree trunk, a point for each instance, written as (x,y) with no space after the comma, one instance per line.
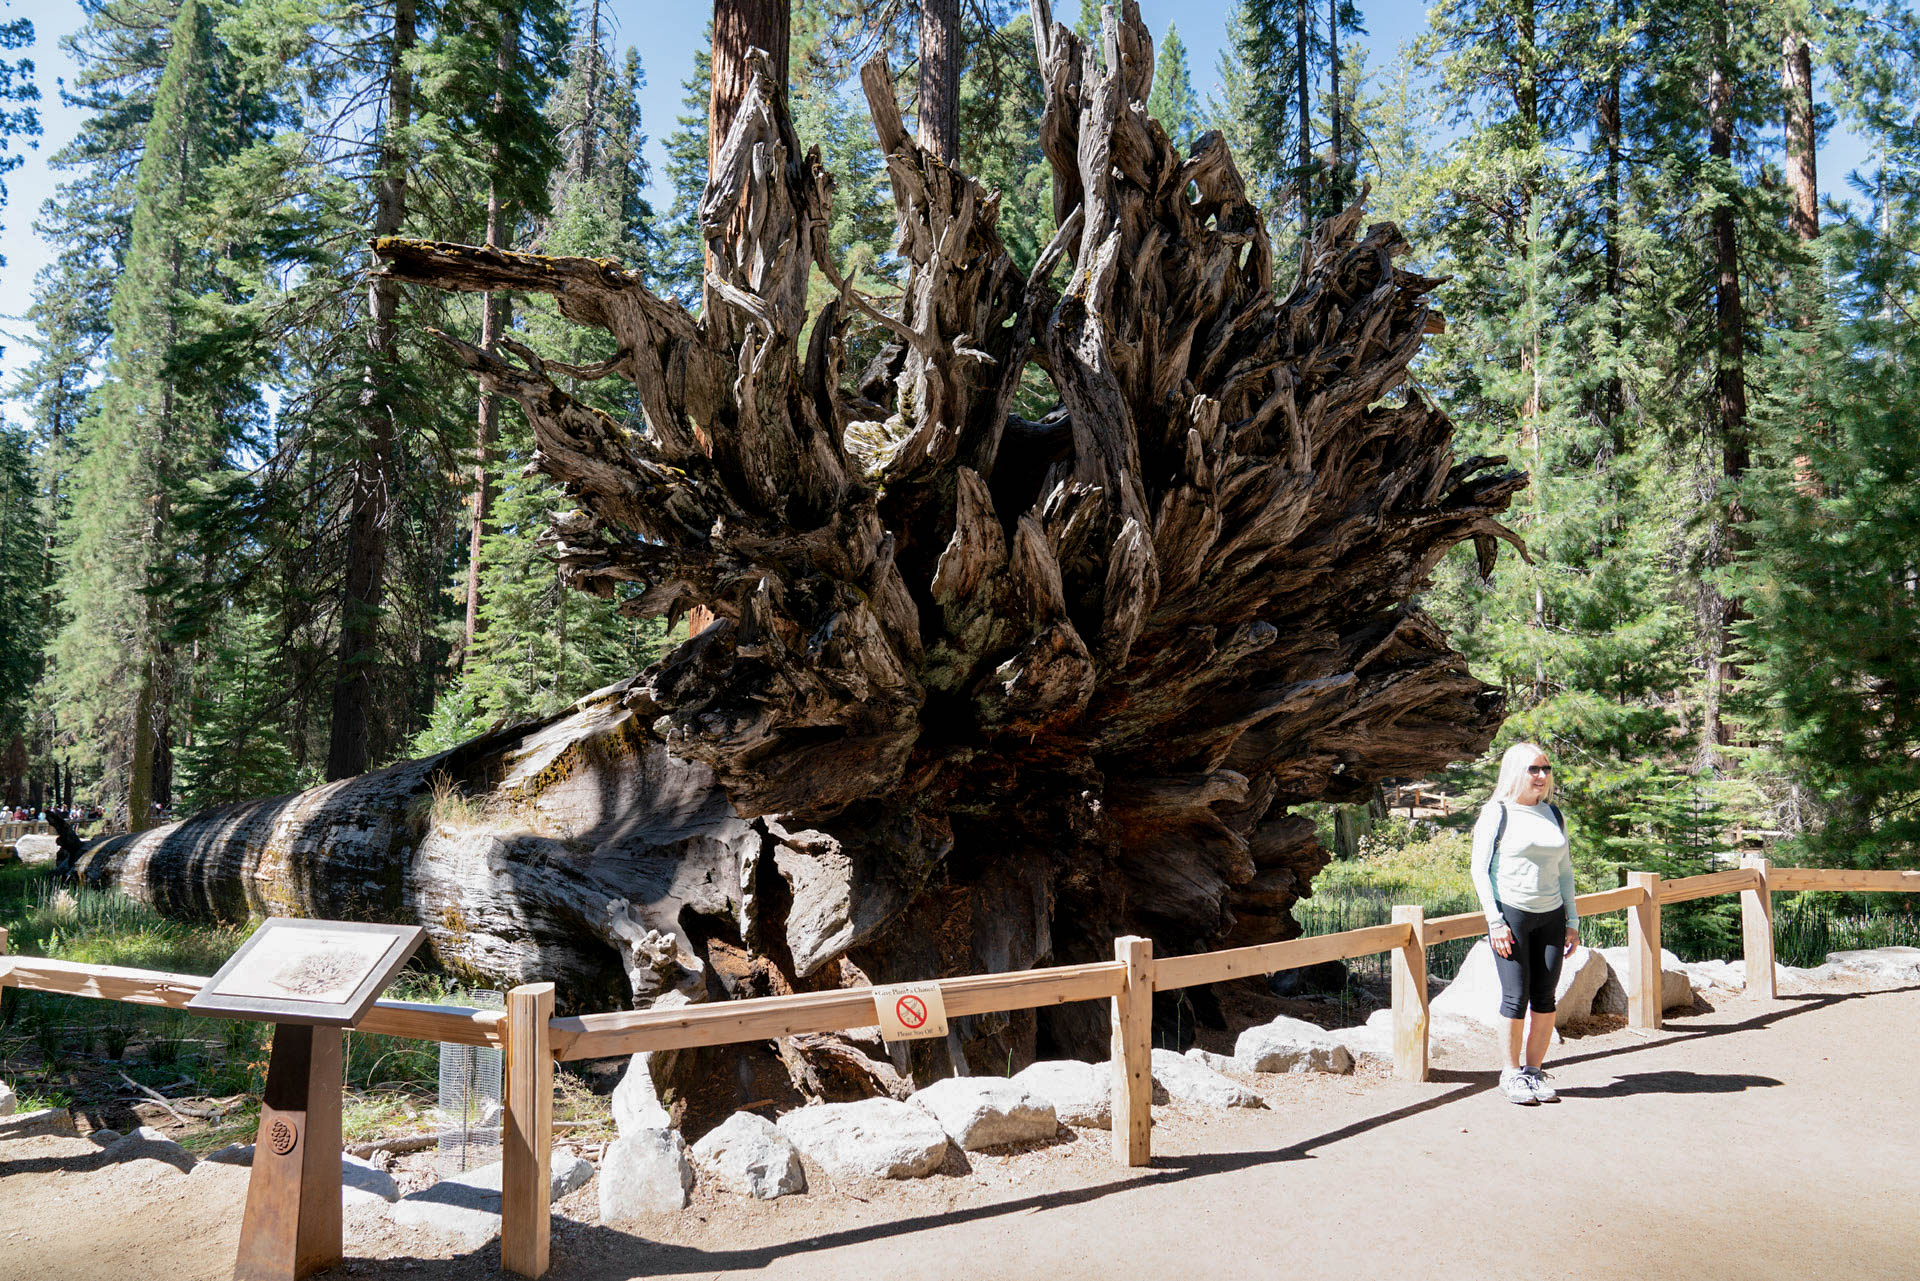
(1730,411)
(1333,85)
(980,691)
(939,97)
(1304,157)
(1796,83)
(350,739)
(496,317)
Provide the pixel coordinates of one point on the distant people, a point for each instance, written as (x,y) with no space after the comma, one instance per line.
(1523,872)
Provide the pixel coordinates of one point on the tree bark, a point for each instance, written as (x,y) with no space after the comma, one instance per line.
(980,692)
(939,98)
(350,738)
(496,317)
(1796,83)
(1304,158)
(1730,409)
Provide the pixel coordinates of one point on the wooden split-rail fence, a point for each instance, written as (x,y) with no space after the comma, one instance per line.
(533,1039)
(13,829)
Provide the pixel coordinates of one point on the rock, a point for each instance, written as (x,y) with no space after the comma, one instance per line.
(27,1125)
(636,1100)
(870,1139)
(1291,1045)
(645,1172)
(148,1144)
(358,1175)
(463,1207)
(232,1154)
(563,1175)
(466,1215)
(1217,1062)
(104,1137)
(1188,1082)
(1730,976)
(748,1156)
(1900,964)
(8,1103)
(1081,1093)
(40,848)
(1793,981)
(980,1112)
(1475,991)
(1676,989)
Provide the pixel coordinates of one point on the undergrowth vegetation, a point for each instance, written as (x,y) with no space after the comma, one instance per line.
(95,1056)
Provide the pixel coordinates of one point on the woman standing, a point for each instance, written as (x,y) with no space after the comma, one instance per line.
(1523,871)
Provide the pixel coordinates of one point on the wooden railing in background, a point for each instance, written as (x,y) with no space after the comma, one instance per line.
(533,1040)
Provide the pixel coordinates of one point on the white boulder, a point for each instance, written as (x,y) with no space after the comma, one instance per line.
(645,1172)
(24,1125)
(1474,993)
(636,1100)
(1081,1093)
(979,1112)
(8,1103)
(1186,1081)
(1218,1062)
(465,1207)
(38,848)
(148,1144)
(1897,964)
(868,1139)
(747,1155)
(1676,988)
(1291,1045)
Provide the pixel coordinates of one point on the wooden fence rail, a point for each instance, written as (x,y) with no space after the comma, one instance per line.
(534,1040)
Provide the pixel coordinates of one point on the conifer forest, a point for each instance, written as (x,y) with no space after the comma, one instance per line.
(382,403)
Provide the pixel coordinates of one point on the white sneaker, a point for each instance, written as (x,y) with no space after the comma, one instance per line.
(1536,1079)
(1517,1087)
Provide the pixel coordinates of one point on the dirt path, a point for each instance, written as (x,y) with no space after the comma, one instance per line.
(1751,1142)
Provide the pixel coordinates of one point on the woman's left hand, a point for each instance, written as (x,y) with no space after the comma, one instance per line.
(1573,939)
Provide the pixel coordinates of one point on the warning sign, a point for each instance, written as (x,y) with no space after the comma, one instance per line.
(910,1011)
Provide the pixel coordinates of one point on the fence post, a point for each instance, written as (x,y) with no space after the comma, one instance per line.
(1410,997)
(1133,1053)
(1645,986)
(526,1141)
(1756,929)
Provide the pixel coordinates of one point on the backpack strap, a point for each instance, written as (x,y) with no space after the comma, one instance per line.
(1559,819)
(1493,859)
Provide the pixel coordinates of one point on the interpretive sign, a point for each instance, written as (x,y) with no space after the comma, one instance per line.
(910,1011)
(321,973)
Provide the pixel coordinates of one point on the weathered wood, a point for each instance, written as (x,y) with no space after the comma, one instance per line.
(454,1024)
(592,1036)
(526,1139)
(1756,928)
(291,1227)
(1463,925)
(1610,900)
(1043,681)
(1786,879)
(1410,996)
(1645,985)
(1243,962)
(1684,888)
(1133,1053)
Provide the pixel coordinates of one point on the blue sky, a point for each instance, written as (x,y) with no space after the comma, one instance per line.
(666,32)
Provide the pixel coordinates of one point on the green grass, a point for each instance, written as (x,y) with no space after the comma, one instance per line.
(73,1048)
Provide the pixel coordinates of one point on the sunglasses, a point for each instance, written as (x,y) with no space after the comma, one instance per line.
(1539,769)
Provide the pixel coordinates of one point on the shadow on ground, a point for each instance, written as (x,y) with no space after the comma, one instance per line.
(612,1255)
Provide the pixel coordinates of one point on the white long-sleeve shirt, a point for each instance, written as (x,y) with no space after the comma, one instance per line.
(1533,868)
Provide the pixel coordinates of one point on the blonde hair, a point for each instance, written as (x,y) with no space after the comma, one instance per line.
(1513,771)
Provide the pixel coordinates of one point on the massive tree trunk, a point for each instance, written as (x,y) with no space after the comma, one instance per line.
(938,107)
(980,692)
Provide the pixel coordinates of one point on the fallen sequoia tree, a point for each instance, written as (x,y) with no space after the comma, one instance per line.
(981,691)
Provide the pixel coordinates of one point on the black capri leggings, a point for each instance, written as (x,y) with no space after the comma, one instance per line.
(1529,976)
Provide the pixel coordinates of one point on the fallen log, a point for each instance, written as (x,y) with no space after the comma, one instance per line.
(980,692)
